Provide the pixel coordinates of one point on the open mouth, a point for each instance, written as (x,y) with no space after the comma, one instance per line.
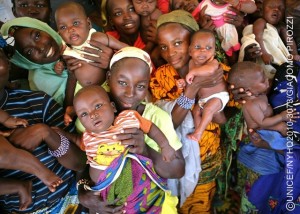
(50,52)
(129,25)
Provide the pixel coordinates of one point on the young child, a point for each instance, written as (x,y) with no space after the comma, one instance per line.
(258,113)
(74,27)
(14,158)
(148,11)
(226,32)
(40,10)
(273,12)
(96,113)
(211,100)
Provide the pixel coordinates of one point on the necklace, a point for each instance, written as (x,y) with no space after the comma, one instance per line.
(4,98)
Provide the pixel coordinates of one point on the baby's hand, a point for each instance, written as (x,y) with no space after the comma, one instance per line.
(59,67)
(189,78)
(267,58)
(68,116)
(14,122)
(180,83)
(289,116)
(168,153)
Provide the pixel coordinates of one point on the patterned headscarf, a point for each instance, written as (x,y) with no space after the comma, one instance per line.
(178,16)
(131,52)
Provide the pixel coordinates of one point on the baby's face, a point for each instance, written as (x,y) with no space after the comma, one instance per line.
(144,7)
(273,11)
(202,47)
(72,25)
(259,83)
(94,110)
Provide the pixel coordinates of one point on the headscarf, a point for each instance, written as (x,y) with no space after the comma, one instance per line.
(178,16)
(132,52)
(41,76)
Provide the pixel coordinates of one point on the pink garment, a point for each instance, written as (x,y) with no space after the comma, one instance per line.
(226,32)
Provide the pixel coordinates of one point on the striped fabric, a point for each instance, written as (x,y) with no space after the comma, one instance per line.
(92,141)
(36,107)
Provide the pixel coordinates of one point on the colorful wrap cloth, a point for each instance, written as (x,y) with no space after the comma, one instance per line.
(143,190)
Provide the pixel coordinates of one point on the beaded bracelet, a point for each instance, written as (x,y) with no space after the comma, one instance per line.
(83,181)
(185,102)
(62,149)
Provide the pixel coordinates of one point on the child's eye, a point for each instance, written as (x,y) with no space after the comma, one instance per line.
(208,48)
(122,83)
(83,114)
(178,43)
(141,86)
(131,9)
(118,14)
(23,5)
(98,106)
(197,47)
(163,48)
(62,27)
(76,23)
(37,36)
(40,5)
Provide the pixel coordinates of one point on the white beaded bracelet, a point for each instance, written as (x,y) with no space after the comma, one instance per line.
(62,149)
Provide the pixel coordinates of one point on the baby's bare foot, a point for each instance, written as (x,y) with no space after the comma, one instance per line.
(50,179)
(25,194)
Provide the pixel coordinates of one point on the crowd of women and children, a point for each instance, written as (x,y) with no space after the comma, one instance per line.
(145,106)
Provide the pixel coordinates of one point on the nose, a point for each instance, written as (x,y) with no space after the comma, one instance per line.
(127,15)
(71,28)
(129,92)
(171,51)
(144,5)
(94,115)
(32,9)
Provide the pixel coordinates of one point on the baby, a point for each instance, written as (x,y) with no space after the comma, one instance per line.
(257,111)
(15,158)
(74,27)
(226,32)
(272,17)
(97,114)
(148,11)
(212,100)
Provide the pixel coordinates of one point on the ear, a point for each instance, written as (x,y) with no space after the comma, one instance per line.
(114,107)
(89,22)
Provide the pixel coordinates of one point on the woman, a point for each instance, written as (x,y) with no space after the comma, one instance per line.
(128,80)
(173,36)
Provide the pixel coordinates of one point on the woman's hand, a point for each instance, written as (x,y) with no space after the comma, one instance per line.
(208,80)
(102,59)
(134,139)
(239,94)
(205,21)
(252,52)
(95,204)
(234,19)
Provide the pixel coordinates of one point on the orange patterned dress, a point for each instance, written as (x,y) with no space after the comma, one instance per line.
(163,86)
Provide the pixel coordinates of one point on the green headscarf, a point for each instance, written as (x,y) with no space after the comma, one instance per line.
(41,76)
